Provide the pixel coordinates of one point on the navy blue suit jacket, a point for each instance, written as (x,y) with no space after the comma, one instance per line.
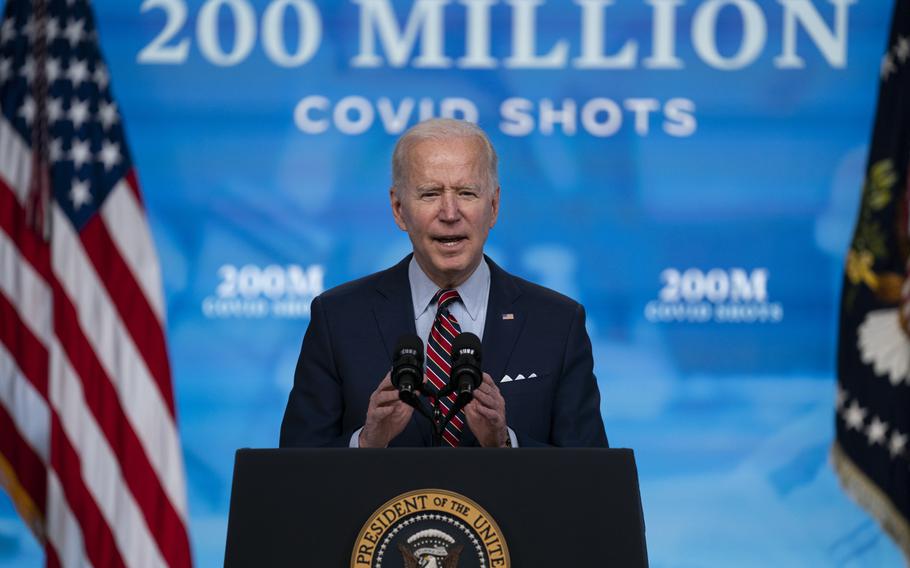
(347,350)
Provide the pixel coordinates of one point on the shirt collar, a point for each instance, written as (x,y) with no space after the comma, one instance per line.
(471,290)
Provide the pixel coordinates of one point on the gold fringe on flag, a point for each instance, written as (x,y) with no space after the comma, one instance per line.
(868,496)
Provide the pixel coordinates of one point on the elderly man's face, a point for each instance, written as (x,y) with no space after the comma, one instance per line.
(446,207)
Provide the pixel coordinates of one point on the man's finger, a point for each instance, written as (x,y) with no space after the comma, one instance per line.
(384,398)
(386,383)
(390,407)
(491,414)
(493,399)
(471,412)
(482,399)
(382,412)
(487,385)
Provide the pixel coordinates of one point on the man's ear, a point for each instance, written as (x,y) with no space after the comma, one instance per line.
(396,209)
(495,205)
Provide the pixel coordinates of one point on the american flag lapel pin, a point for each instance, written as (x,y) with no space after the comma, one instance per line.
(508,316)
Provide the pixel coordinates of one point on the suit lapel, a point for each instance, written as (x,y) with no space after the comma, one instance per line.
(393,309)
(504,322)
(393,306)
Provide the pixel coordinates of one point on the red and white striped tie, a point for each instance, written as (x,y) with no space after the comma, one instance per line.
(439,361)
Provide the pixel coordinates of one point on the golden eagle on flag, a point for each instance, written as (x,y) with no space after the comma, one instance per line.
(871,453)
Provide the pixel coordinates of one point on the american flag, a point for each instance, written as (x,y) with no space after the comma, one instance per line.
(89,449)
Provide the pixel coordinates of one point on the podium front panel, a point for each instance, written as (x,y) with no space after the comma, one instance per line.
(555,507)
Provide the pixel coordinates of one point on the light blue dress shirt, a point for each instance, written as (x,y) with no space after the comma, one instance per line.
(470,311)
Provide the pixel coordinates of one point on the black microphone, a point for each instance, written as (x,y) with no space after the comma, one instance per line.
(407,368)
(466,375)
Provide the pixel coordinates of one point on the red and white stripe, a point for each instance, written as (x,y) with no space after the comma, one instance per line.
(85,384)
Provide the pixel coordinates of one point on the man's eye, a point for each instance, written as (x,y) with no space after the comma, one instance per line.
(429,194)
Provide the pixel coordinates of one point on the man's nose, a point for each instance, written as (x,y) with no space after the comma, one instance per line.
(449,210)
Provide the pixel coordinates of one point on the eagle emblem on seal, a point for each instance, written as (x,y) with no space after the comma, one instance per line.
(430,548)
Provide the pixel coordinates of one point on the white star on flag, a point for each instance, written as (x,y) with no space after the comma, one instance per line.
(54,110)
(52,30)
(107,112)
(78,113)
(80,153)
(77,72)
(887,67)
(897,443)
(840,398)
(55,150)
(79,194)
(8,30)
(74,32)
(101,77)
(876,431)
(854,416)
(110,154)
(28,30)
(28,70)
(52,69)
(27,112)
(902,49)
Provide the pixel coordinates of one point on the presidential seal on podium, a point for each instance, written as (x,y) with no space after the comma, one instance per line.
(430,528)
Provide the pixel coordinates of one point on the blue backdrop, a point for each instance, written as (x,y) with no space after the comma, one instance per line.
(688,170)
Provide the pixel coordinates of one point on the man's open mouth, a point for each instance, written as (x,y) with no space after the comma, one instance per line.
(449,241)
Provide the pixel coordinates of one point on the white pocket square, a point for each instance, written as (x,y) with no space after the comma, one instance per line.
(519,377)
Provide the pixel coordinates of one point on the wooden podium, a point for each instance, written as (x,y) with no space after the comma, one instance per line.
(523,507)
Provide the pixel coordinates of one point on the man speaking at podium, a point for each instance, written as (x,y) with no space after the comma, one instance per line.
(538,385)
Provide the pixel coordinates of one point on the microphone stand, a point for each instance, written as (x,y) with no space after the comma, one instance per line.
(460,401)
(438,421)
(433,417)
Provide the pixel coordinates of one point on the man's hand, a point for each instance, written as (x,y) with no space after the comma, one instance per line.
(386,416)
(486,414)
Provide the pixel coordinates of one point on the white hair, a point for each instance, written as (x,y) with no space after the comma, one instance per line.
(441,129)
